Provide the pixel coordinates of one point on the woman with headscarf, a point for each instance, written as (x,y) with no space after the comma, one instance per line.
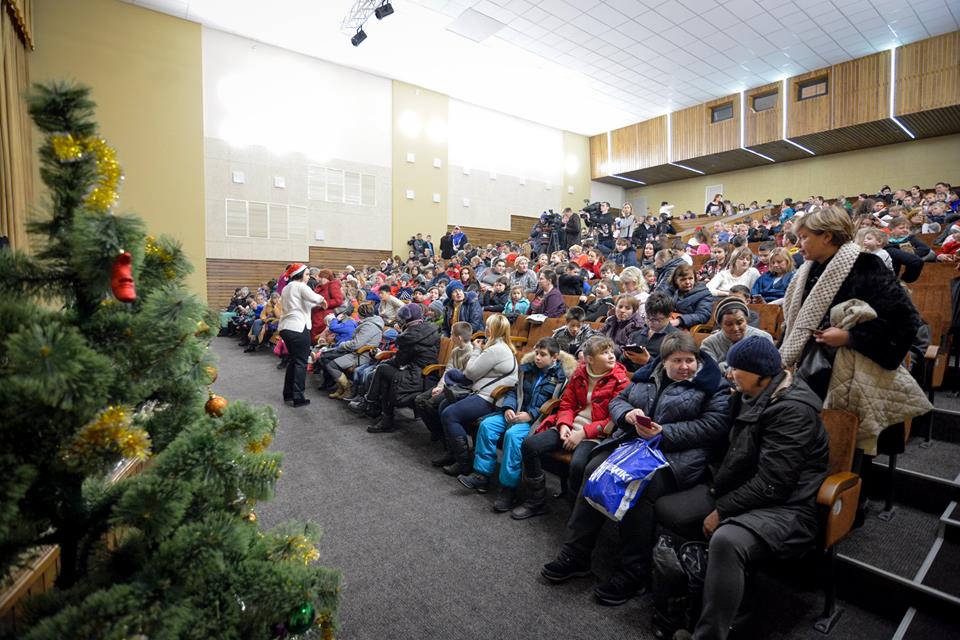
(297,301)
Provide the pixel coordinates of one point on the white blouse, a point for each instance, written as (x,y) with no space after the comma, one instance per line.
(297,301)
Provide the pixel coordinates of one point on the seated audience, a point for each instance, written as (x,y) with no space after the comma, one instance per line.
(580,423)
(715,264)
(543,373)
(692,301)
(495,298)
(549,300)
(492,365)
(626,319)
(644,343)
(739,271)
(762,501)
(335,362)
(461,305)
(601,304)
(665,262)
(679,397)
(873,241)
(570,282)
(575,332)
(732,327)
(772,285)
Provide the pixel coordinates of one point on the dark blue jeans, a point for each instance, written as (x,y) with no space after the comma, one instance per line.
(456,416)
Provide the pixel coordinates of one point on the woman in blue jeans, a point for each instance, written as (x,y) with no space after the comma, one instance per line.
(493,365)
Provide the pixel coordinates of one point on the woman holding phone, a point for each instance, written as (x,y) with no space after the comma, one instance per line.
(680,398)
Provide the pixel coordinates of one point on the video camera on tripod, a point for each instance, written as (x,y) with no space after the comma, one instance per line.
(549,231)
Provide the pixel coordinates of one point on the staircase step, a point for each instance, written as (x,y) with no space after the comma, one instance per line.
(898,547)
(921,625)
(943,571)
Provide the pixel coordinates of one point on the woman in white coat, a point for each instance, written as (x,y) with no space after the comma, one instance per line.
(297,300)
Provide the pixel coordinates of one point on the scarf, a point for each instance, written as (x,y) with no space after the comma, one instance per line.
(801,316)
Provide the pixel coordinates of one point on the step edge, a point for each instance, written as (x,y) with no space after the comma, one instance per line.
(906,582)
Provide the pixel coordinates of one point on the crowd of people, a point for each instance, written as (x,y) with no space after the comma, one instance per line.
(737,417)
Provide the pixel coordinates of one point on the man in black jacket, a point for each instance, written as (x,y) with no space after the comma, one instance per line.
(571,229)
(446,246)
(762,503)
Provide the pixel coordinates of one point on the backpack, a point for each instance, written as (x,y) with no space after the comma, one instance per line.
(678,574)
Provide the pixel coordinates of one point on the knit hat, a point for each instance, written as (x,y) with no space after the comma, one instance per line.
(437,307)
(294,270)
(410,312)
(453,286)
(730,304)
(755,354)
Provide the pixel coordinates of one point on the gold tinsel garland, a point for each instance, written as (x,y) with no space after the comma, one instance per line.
(164,257)
(103,194)
(110,432)
(300,548)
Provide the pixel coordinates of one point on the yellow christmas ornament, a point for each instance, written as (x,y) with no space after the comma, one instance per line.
(110,432)
(250,517)
(216,405)
(211,372)
(202,329)
(66,148)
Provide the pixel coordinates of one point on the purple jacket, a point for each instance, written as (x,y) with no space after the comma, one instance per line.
(550,305)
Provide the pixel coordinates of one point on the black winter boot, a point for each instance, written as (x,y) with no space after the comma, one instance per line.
(505,499)
(444,458)
(534,499)
(462,462)
(385,425)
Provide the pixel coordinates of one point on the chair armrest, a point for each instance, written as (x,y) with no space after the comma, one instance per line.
(518,339)
(701,328)
(477,334)
(932,352)
(838,499)
(385,355)
(500,391)
(549,406)
(432,368)
(365,349)
(834,485)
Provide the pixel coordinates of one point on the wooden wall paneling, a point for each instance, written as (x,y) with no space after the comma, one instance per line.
(225,275)
(725,135)
(336,258)
(687,135)
(861,90)
(624,151)
(652,142)
(764,126)
(479,236)
(809,116)
(928,74)
(598,156)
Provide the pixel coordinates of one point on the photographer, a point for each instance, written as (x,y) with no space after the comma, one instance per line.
(602,221)
(571,228)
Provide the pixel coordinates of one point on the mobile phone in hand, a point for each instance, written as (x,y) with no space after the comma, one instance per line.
(633,348)
(644,421)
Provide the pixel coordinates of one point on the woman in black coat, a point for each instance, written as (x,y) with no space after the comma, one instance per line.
(397,381)
(681,398)
(762,502)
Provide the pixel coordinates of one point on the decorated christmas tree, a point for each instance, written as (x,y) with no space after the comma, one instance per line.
(104,359)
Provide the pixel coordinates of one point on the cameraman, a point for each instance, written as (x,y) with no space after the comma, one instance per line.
(571,228)
(603,222)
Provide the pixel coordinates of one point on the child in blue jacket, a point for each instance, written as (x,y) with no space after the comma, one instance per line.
(542,376)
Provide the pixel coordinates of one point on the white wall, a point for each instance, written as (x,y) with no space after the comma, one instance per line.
(603,192)
(269,112)
(515,167)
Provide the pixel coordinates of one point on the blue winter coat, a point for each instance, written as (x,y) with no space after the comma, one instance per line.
(770,290)
(694,415)
(470,311)
(695,307)
(343,331)
(536,386)
(626,258)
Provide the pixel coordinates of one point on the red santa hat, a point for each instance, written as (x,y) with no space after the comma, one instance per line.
(294,270)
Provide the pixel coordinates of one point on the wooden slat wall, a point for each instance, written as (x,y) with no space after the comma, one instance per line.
(652,141)
(624,150)
(765,126)
(721,136)
(928,74)
(809,116)
(519,232)
(687,134)
(225,275)
(598,156)
(337,258)
(861,90)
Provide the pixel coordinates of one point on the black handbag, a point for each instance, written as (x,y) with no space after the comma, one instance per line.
(816,366)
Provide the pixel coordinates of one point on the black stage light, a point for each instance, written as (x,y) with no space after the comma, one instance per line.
(383,11)
(359,37)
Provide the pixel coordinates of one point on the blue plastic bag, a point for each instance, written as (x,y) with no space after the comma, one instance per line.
(613,488)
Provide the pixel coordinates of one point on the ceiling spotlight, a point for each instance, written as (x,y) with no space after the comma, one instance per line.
(383,11)
(359,37)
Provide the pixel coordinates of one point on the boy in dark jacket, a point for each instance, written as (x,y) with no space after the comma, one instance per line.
(542,375)
(571,282)
(602,304)
(571,336)
(495,299)
(626,255)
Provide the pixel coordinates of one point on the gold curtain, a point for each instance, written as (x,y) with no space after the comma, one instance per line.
(16,146)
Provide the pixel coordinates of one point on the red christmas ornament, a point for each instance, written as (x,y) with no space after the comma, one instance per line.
(121,278)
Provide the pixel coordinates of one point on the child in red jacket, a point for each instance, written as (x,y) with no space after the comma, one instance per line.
(581,422)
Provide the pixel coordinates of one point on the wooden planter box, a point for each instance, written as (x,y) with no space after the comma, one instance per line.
(41,573)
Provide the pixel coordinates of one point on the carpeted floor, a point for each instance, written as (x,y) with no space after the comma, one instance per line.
(423,558)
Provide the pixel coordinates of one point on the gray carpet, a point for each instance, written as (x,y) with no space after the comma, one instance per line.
(423,558)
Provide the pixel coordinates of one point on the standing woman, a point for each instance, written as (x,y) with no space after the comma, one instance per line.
(297,301)
(627,223)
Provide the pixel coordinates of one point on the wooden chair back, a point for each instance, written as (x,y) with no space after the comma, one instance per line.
(841,426)
(543,330)
(446,347)
(700,336)
(571,301)
(771,319)
(698,261)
